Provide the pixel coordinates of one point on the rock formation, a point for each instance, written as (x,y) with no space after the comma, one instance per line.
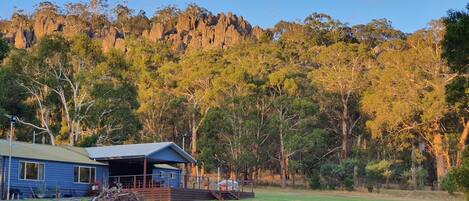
(191,32)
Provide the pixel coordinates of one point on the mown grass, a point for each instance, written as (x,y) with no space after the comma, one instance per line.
(277,194)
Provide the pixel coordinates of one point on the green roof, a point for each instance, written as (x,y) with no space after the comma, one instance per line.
(166,166)
(67,154)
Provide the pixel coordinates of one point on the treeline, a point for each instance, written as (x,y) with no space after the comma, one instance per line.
(319,98)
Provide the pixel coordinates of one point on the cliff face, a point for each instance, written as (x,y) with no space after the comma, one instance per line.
(190,32)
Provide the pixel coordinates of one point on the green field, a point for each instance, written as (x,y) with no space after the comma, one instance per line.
(264,196)
(291,196)
(276,194)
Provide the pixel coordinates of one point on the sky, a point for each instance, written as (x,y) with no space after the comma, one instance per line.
(406,15)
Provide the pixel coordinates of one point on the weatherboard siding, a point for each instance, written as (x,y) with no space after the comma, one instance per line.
(58,176)
(166,177)
(1,177)
(167,155)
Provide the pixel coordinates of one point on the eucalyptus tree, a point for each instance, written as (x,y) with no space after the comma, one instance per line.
(340,80)
(192,79)
(406,96)
(455,51)
(113,118)
(156,99)
(291,111)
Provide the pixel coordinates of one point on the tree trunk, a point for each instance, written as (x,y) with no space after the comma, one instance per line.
(52,138)
(440,157)
(413,167)
(193,144)
(344,151)
(283,165)
(462,143)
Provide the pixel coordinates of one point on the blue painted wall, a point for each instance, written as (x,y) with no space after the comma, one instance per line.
(58,176)
(1,177)
(173,182)
(167,155)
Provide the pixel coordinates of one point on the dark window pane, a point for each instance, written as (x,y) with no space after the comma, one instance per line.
(84,175)
(32,171)
(75,174)
(93,174)
(22,166)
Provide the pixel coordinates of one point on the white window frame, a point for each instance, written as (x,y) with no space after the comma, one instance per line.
(173,175)
(161,174)
(79,166)
(25,170)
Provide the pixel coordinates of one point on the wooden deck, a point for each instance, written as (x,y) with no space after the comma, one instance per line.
(189,188)
(180,194)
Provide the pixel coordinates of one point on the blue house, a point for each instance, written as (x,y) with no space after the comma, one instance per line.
(44,170)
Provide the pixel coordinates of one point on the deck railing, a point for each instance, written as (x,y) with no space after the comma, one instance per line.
(184,181)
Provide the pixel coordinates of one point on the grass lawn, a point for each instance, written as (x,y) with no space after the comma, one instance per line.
(276,194)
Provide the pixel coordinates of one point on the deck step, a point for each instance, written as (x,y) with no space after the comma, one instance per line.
(233,195)
(216,195)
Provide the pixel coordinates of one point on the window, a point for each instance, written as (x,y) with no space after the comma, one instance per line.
(84,175)
(161,175)
(31,170)
(173,175)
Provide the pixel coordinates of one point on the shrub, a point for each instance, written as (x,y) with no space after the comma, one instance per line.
(448,183)
(420,173)
(461,174)
(314,181)
(348,184)
(458,178)
(377,172)
(331,175)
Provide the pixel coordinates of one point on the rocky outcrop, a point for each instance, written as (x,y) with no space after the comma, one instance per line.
(191,32)
(45,24)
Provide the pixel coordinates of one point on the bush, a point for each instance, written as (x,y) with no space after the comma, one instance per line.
(377,172)
(420,173)
(331,175)
(348,184)
(448,183)
(458,178)
(369,186)
(315,181)
(461,174)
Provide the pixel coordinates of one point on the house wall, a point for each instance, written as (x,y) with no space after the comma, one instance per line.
(59,176)
(1,177)
(174,182)
(167,155)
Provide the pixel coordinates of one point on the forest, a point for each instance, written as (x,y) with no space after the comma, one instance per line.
(317,102)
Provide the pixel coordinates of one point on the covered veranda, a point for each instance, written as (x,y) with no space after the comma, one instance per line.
(132,165)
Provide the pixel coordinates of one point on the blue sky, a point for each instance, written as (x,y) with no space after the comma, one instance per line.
(406,15)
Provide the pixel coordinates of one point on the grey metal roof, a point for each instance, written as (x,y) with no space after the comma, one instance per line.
(166,166)
(47,152)
(134,151)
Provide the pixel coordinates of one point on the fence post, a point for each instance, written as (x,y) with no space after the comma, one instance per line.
(135,181)
(252,187)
